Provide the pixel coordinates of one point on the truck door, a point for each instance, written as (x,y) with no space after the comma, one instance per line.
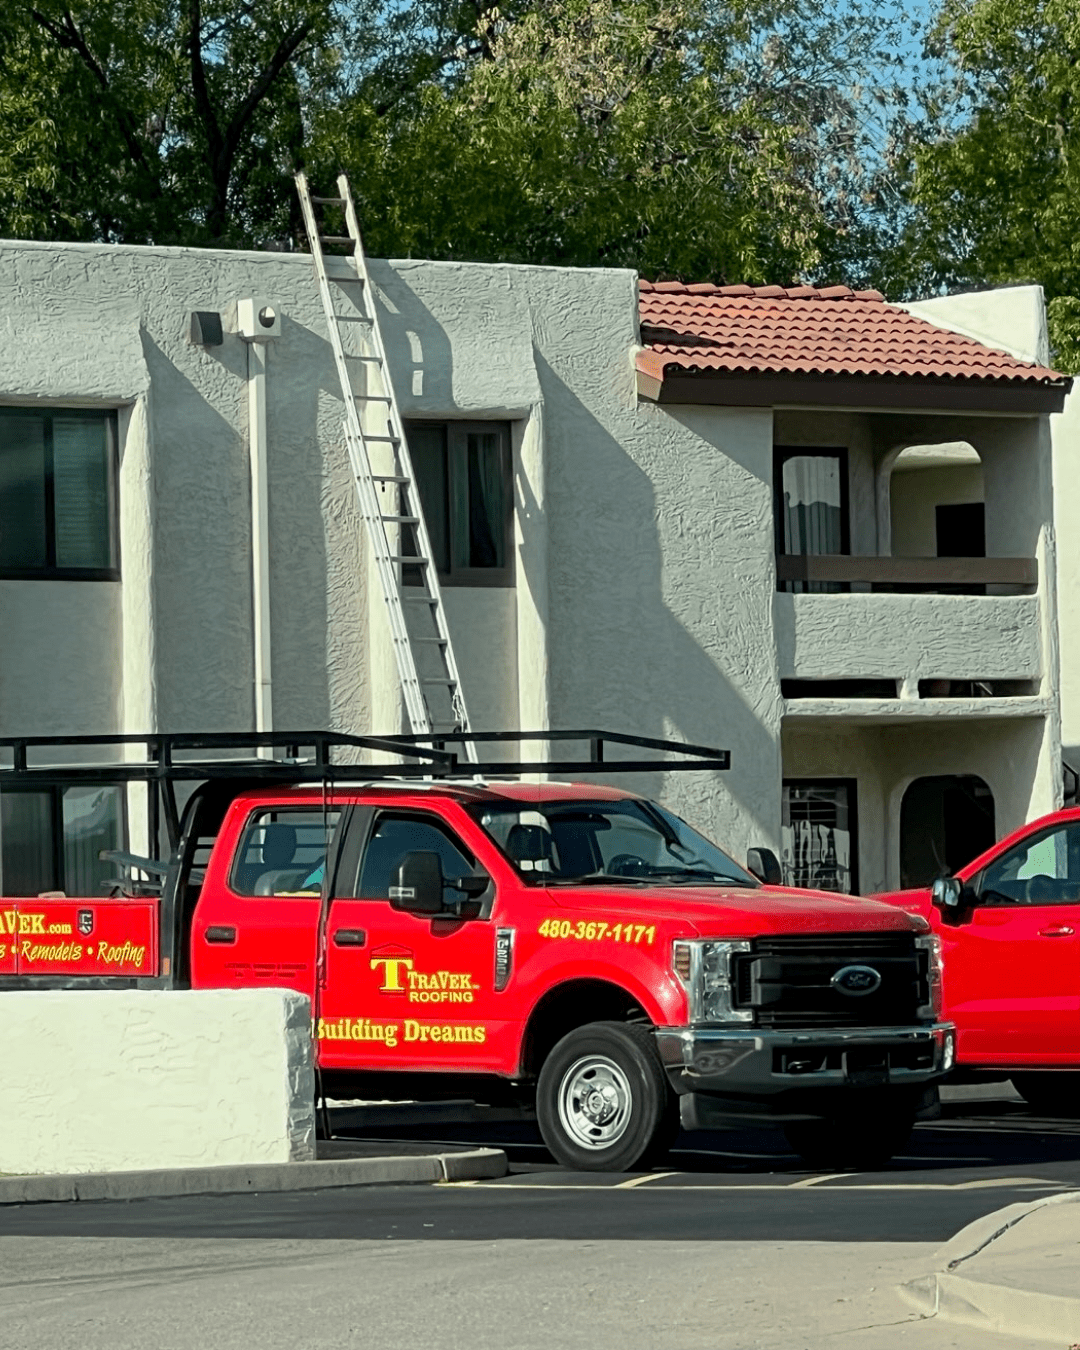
(1012,971)
(257,920)
(406,991)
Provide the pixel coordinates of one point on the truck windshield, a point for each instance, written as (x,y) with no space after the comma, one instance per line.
(631,841)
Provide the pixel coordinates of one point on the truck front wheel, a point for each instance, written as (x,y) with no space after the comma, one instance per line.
(860,1138)
(603,1102)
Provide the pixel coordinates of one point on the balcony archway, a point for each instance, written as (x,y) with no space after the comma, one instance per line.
(945,821)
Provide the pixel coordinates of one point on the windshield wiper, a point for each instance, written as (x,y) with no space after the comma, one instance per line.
(591,878)
(682,874)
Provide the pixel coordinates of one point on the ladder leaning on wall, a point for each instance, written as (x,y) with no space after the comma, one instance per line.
(389,498)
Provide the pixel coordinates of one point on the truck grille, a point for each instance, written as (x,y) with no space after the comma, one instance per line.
(787,980)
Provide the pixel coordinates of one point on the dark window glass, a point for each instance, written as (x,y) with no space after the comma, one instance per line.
(819,846)
(392,839)
(463,475)
(23,532)
(283,852)
(57,494)
(1043,870)
(50,840)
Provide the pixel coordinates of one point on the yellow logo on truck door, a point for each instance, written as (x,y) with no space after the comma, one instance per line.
(396,967)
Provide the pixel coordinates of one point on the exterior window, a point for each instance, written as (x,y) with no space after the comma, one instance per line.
(57,495)
(50,839)
(1044,870)
(283,852)
(392,839)
(463,475)
(811,507)
(818,836)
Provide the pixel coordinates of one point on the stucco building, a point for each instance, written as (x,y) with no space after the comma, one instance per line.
(735,517)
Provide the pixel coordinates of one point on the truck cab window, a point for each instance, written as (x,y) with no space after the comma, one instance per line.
(394,837)
(1044,870)
(283,852)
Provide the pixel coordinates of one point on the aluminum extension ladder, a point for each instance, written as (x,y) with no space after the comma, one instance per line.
(389,499)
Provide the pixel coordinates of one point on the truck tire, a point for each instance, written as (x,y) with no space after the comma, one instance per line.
(1049,1092)
(861,1138)
(603,1101)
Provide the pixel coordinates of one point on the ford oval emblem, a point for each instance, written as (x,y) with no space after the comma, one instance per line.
(856,981)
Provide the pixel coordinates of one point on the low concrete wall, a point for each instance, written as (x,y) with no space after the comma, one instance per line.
(127,1079)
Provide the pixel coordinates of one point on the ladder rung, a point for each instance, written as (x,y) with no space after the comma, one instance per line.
(356,318)
(387,440)
(373,398)
(411,559)
(418,600)
(329,201)
(339,239)
(439,679)
(390,478)
(402,520)
(350,357)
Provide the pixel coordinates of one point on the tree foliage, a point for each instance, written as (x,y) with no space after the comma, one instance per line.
(992,164)
(686,138)
(696,138)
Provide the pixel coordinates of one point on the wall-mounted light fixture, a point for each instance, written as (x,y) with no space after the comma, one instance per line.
(205,328)
(258,321)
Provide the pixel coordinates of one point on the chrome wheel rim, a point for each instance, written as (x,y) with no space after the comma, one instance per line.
(595,1102)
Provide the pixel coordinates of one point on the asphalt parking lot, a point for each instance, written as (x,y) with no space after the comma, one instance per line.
(985,1152)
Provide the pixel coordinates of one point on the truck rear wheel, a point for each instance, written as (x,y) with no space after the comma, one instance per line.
(1050,1093)
(603,1101)
(861,1138)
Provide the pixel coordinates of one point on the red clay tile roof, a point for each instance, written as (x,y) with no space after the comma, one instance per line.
(800,330)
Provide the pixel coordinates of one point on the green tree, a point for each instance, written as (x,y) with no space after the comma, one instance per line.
(688,138)
(161,121)
(992,165)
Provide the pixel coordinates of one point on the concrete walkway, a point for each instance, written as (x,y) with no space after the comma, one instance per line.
(1015,1272)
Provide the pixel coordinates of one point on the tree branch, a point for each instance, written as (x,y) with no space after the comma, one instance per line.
(68,36)
(287,47)
(203,106)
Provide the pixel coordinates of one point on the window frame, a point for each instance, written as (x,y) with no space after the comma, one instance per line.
(55,793)
(333,815)
(1029,842)
(852,786)
(50,571)
(781,454)
(455,431)
(349,889)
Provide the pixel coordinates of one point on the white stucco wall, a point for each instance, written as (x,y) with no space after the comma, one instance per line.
(885,760)
(644,594)
(916,494)
(121,1080)
(1066,443)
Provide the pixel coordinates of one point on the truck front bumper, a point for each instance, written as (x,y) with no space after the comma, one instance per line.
(731,1075)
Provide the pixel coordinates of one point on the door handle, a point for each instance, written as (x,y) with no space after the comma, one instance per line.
(349,937)
(1063,930)
(220,933)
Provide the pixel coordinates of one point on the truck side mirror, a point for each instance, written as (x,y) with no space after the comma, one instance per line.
(419,888)
(765,865)
(947,894)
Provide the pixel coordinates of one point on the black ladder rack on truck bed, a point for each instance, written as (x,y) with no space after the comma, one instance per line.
(222,765)
(308,757)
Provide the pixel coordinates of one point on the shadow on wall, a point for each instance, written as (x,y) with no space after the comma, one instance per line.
(202,546)
(619,657)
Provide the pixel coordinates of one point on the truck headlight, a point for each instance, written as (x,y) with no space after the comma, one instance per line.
(931,945)
(706,970)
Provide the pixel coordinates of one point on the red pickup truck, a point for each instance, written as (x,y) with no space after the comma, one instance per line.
(1009,923)
(576,946)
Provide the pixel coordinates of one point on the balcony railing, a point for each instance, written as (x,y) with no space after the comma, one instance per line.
(970,576)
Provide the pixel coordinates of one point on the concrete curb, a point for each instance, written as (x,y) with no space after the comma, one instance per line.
(956,1295)
(479,1164)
